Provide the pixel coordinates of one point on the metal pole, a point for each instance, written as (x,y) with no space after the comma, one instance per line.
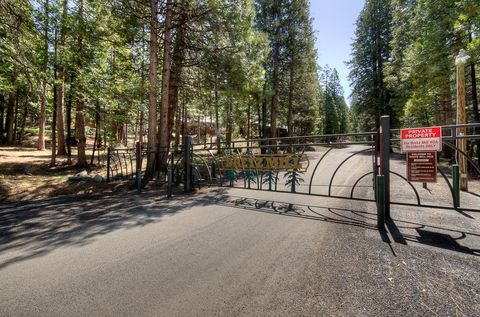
(138,156)
(169,182)
(380,198)
(385,158)
(460,62)
(187,164)
(456,185)
(108,164)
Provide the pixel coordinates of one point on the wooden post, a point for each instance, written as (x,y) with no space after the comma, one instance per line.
(460,62)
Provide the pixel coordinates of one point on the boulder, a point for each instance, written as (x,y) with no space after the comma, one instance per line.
(99,178)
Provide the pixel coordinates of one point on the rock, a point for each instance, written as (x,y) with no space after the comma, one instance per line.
(82,174)
(79,177)
(98,178)
(26,169)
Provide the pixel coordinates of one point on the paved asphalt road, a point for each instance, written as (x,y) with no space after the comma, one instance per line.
(233,253)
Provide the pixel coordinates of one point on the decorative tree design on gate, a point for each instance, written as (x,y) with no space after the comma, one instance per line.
(250,175)
(230,175)
(293,176)
(270,176)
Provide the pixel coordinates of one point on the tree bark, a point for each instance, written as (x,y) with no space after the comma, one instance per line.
(69,120)
(476,113)
(53,160)
(97,130)
(15,117)
(55,105)
(276,91)
(447,113)
(24,121)
(152,77)
(2,116)
(290,96)
(228,135)
(79,113)
(175,77)
(276,66)
(163,133)
(43,93)
(10,116)
(61,150)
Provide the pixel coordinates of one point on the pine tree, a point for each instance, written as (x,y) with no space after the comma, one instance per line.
(370,52)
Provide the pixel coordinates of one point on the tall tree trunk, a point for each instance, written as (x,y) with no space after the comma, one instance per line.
(228,135)
(79,113)
(97,130)
(41,125)
(447,112)
(264,112)
(2,116)
(61,150)
(175,78)
(24,121)
(290,96)
(217,120)
(163,130)
(15,117)
(12,96)
(53,161)
(69,120)
(80,133)
(276,66)
(473,76)
(152,77)
(178,124)
(476,112)
(276,92)
(259,115)
(249,108)
(55,105)
(43,94)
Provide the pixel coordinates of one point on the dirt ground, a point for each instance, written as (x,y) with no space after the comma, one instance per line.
(26,174)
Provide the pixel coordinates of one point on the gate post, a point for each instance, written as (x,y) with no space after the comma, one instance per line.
(138,161)
(385,160)
(380,198)
(108,164)
(187,164)
(456,185)
(169,182)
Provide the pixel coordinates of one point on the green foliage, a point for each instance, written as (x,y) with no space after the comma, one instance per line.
(289,28)
(370,52)
(426,37)
(333,105)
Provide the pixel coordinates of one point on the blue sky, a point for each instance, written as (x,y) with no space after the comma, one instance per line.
(334,25)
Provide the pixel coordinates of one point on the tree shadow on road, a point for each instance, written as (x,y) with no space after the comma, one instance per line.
(401,231)
(32,229)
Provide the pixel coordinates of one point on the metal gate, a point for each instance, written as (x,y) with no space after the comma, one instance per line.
(335,165)
(445,194)
(364,166)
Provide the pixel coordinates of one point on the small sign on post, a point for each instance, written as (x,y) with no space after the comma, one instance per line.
(422,167)
(421,139)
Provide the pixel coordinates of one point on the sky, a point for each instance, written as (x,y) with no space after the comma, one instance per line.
(334,26)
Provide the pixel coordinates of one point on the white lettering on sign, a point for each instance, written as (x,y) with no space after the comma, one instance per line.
(421,139)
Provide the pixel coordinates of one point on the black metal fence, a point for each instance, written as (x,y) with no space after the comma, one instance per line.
(446,193)
(360,166)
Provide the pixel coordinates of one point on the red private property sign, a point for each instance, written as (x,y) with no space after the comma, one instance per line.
(421,139)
